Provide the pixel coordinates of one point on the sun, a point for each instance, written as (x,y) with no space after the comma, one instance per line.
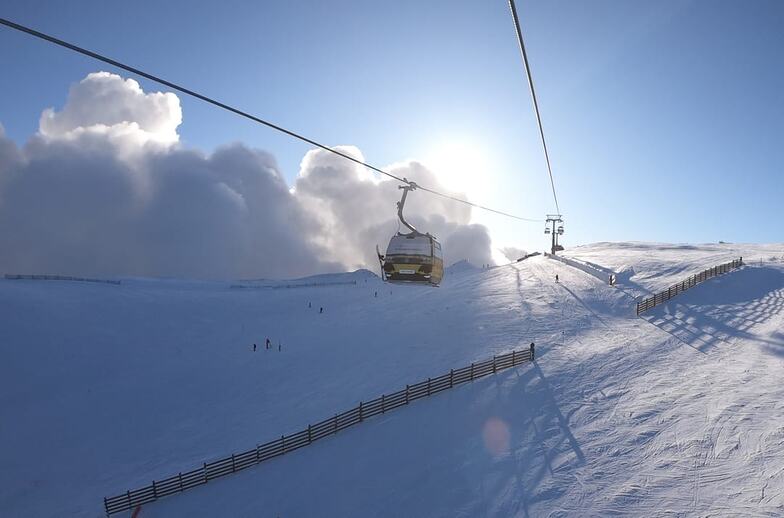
(461,164)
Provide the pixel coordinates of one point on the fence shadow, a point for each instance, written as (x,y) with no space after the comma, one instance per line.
(542,447)
(726,309)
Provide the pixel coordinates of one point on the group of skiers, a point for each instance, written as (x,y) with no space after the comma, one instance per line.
(321,309)
(268,345)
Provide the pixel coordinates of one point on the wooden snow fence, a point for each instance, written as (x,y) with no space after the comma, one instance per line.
(288,443)
(675,289)
(10,276)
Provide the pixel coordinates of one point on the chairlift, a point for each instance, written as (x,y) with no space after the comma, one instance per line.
(546,230)
(412,258)
(560,229)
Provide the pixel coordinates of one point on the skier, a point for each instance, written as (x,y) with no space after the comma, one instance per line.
(375,294)
(278,346)
(321,310)
(309,306)
(254,348)
(268,344)
(556,277)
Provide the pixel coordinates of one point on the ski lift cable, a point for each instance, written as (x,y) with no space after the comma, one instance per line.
(519,32)
(236,111)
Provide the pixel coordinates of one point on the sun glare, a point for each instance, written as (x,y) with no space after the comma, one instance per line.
(461,165)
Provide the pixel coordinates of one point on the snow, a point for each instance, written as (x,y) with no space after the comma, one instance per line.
(646,268)
(678,412)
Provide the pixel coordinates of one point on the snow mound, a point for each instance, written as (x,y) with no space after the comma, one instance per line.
(361,275)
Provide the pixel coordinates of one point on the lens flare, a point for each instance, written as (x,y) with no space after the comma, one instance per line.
(495,433)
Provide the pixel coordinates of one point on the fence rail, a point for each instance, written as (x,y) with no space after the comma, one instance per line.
(675,289)
(292,285)
(11,276)
(287,443)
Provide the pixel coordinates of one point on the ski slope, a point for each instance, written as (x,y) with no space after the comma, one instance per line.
(679,412)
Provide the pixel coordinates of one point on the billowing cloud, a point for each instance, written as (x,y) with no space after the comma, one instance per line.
(106,104)
(105,188)
(358,210)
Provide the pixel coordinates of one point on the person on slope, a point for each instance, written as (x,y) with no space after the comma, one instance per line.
(556,277)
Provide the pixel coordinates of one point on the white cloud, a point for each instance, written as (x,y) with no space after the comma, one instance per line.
(107,104)
(103,190)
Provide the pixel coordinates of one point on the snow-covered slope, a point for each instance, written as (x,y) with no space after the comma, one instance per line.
(679,412)
(646,268)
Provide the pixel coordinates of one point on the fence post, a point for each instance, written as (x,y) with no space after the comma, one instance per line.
(451,377)
(472,371)
(428,386)
(406,393)
(513,358)
(336,423)
(154,490)
(383,404)
(180,477)
(494,370)
(310,435)
(105,503)
(233,465)
(360,414)
(129,499)
(283,442)
(205,471)
(533,352)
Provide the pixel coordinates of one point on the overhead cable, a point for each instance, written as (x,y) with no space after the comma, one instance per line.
(236,111)
(533,96)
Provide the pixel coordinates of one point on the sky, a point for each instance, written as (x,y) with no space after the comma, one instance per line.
(663,119)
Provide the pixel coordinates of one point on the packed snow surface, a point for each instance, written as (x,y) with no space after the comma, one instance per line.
(681,412)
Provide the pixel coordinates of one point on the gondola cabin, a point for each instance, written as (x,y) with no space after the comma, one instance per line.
(414,258)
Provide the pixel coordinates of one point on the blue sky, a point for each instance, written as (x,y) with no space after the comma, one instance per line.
(664,119)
